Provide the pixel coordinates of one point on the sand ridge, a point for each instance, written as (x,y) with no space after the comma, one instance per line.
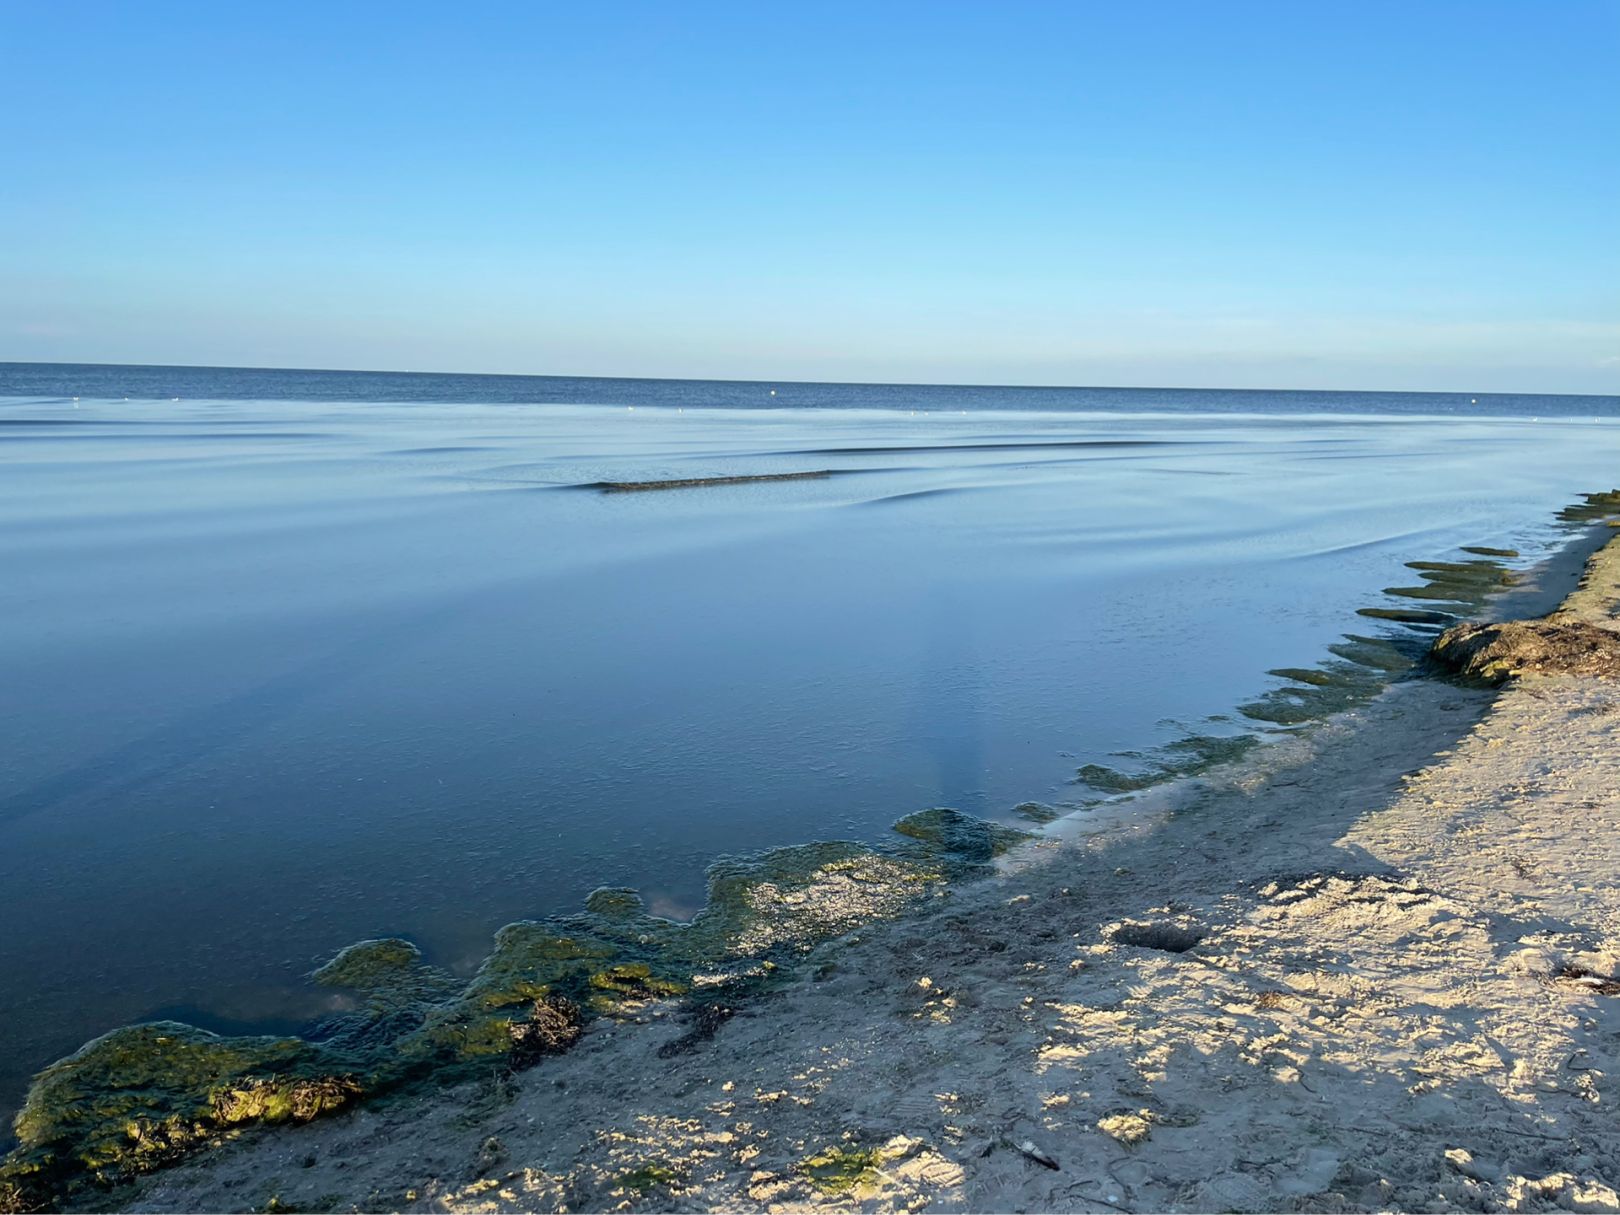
(1372,968)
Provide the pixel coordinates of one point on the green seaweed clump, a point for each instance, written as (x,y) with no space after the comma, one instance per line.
(1592,507)
(1457,586)
(1188,756)
(1111,780)
(1391,655)
(142,1096)
(654,1175)
(370,965)
(968,840)
(389,973)
(1407,616)
(841,1171)
(1319,692)
(1037,812)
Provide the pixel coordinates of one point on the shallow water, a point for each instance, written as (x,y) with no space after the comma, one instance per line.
(277,676)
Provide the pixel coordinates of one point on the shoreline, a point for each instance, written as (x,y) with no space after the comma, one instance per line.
(1365,970)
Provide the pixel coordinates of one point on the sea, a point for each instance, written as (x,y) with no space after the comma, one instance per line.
(290,659)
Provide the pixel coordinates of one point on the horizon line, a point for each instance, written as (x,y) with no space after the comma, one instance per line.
(651,379)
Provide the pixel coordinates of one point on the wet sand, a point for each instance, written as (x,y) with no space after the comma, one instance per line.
(1371,966)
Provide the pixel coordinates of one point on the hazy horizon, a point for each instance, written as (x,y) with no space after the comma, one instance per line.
(780,380)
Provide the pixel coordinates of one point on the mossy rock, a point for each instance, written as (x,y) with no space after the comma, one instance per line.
(1199,752)
(1111,780)
(1311,675)
(142,1096)
(961,837)
(616,903)
(1592,507)
(1037,812)
(1187,756)
(1407,615)
(367,965)
(1376,653)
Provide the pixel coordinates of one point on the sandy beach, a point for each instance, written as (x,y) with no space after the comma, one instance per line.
(1372,966)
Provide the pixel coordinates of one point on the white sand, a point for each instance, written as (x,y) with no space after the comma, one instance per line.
(1373,1016)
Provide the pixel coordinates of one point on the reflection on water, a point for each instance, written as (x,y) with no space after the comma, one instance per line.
(278,677)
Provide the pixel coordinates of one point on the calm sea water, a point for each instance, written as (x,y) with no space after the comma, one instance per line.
(305,657)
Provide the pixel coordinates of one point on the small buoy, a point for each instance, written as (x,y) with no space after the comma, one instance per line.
(773,392)
(1473,400)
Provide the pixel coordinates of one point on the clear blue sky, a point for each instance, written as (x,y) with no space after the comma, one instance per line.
(1290,194)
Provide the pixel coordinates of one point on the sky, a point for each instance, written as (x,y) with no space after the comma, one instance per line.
(1364,195)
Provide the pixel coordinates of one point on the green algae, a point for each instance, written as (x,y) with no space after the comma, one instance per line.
(1186,756)
(1407,615)
(653,1175)
(840,1171)
(145,1095)
(1387,654)
(371,965)
(1362,666)
(1317,678)
(1037,812)
(1481,550)
(1336,685)
(1592,508)
(1198,752)
(960,836)
(1112,780)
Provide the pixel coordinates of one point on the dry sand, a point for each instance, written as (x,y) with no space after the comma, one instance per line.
(1372,967)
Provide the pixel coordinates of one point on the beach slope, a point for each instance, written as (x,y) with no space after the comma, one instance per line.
(1372,967)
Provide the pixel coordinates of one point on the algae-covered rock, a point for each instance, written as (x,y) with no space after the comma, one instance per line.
(1187,756)
(1549,646)
(368,965)
(1393,656)
(962,836)
(615,902)
(1320,692)
(1111,780)
(144,1095)
(1592,507)
(390,974)
(1037,812)
(1407,616)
